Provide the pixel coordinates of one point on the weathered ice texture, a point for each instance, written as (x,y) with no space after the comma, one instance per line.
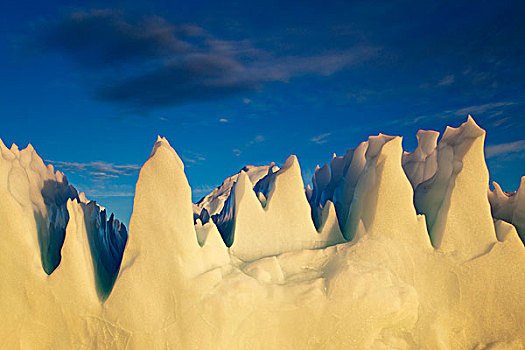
(388,250)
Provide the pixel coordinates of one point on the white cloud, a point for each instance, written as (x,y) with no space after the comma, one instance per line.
(446,81)
(256,139)
(259,138)
(320,139)
(102,175)
(480,109)
(97,168)
(223,120)
(504,148)
(475,110)
(110,194)
(192,157)
(499,122)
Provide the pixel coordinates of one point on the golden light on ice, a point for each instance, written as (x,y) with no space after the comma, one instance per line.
(388,250)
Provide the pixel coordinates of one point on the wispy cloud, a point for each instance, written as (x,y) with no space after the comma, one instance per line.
(480,109)
(150,62)
(237,152)
(98,168)
(320,139)
(223,120)
(491,110)
(111,194)
(501,121)
(256,139)
(192,158)
(95,189)
(505,148)
(446,81)
(101,175)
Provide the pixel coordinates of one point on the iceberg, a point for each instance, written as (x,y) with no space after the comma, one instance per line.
(386,250)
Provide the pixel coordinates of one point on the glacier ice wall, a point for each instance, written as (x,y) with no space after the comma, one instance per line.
(43,195)
(388,249)
(107,239)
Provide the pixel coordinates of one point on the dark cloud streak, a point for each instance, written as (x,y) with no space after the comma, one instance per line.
(194,78)
(149,62)
(99,38)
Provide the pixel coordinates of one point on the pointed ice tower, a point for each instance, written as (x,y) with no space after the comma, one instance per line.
(509,207)
(454,200)
(162,211)
(76,270)
(275,220)
(42,194)
(382,199)
(162,252)
(352,164)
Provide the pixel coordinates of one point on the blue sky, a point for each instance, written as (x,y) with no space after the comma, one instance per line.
(92,84)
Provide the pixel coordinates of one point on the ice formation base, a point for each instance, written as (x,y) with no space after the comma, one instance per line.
(388,250)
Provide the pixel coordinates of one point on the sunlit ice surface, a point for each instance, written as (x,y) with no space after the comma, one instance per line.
(387,250)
